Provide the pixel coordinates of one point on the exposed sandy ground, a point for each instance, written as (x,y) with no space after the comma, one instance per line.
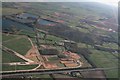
(31,52)
(34,55)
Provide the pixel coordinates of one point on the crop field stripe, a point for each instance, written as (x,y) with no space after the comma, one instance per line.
(112,60)
(24,42)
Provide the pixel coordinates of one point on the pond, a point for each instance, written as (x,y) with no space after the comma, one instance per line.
(46,22)
(7,24)
(27,15)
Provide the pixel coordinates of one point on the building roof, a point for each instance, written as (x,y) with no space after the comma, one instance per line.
(67,41)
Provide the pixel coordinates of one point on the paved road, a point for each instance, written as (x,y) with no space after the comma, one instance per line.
(37,67)
(30,41)
(20,63)
(49,71)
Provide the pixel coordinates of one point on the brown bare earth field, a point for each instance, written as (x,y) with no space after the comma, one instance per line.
(71,64)
(94,74)
(50,65)
(34,55)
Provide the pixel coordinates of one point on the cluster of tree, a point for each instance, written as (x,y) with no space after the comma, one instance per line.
(49,52)
(105,49)
(13,30)
(69,33)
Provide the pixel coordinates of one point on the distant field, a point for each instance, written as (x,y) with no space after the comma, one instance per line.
(82,45)
(54,38)
(26,32)
(9,11)
(51,37)
(110,45)
(105,60)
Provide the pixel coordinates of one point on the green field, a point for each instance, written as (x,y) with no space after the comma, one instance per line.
(84,61)
(51,37)
(9,11)
(82,45)
(54,38)
(42,77)
(60,64)
(20,67)
(7,37)
(7,58)
(26,32)
(63,76)
(105,60)
(110,45)
(53,59)
(21,45)
(7,68)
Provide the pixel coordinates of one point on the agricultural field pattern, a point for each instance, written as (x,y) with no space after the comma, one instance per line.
(59,40)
